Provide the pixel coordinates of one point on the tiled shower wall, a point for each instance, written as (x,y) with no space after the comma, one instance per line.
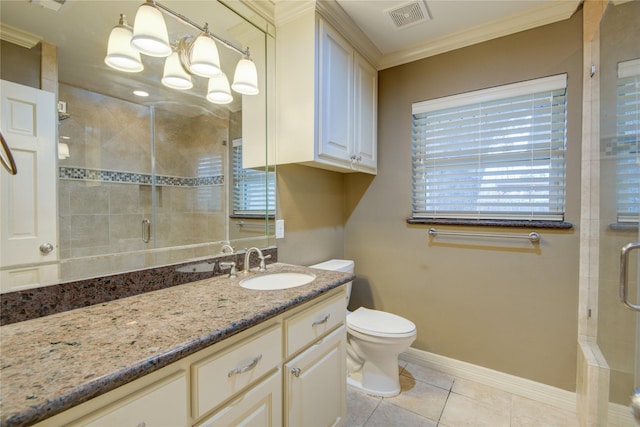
(105,189)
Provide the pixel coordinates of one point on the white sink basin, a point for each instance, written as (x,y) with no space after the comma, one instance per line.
(275,281)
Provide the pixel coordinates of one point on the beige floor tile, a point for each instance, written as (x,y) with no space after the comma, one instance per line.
(526,412)
(461,411)
(497,399)
(360,406)
(419,397)
(428,375)
(389,415)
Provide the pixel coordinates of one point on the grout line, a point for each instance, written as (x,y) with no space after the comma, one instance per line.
(445,402)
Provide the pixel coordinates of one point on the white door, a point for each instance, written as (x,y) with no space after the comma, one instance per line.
(28,201)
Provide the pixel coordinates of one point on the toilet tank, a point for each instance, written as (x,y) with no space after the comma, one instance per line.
(343,265)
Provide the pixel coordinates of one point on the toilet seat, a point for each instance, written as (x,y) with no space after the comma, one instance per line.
(380,323)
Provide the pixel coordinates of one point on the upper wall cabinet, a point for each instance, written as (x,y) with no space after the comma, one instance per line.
(326,98)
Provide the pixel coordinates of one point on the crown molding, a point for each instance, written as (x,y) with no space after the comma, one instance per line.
(17,36)
(544,15)
(264,8)
(331,11)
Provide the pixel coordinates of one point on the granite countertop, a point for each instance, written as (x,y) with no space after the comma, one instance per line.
(53,363)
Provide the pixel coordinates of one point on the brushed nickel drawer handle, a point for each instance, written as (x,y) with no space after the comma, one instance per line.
(321,321)
(245,368)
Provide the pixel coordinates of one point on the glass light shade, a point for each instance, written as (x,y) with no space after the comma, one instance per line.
(203,57)
(120,54)
(150,32)
(175,76)
(218,90)
(245,79)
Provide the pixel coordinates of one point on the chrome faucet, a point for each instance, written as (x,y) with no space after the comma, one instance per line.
(226,249)
(247,258)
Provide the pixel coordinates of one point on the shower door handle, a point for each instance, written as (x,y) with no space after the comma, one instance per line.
(624,280)
(146,230)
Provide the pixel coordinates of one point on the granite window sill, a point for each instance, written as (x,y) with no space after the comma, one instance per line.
(557,225)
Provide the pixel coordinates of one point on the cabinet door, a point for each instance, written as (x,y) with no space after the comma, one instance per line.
(365,139)
(315,384)
(261,406)
(335,95)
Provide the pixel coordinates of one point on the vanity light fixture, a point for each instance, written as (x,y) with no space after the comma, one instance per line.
(218,90)
(185,57)
(120,54)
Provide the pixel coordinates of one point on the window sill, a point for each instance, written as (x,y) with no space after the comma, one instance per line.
(557,225)
(624,226)
(251,216)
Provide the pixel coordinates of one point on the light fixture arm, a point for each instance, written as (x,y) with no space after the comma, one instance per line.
(204,29)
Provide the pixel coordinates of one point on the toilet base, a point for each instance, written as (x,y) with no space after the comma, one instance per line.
(358,386)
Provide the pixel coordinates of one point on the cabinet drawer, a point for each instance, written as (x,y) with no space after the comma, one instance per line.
(223,374)
(307,326)
(161,404)
(261,405)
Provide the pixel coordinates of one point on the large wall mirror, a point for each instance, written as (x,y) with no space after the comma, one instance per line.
(141,181)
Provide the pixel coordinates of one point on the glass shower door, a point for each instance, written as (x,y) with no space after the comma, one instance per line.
(618,320)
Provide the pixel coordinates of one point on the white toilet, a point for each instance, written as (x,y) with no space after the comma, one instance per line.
(374,341)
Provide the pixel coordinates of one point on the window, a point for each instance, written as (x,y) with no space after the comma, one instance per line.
(492,154)
(249,195)
(627,141)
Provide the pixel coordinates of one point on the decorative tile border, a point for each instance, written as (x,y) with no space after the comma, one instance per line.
(136,178)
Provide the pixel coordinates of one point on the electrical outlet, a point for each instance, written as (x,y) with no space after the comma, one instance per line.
(280,229)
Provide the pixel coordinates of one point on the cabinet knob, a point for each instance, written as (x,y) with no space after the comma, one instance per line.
(295,372)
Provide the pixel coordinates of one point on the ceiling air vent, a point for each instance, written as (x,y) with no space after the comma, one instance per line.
(409,14)
(54,5)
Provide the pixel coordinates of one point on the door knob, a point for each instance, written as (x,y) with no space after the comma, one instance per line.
(46,248)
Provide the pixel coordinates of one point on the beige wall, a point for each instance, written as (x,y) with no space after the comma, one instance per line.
(311,201)
(508,306)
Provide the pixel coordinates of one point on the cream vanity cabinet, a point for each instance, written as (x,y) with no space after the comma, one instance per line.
(326,96)
(289,370)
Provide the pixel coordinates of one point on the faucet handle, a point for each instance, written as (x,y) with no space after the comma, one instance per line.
(231,265)
(226,249)
(263,266)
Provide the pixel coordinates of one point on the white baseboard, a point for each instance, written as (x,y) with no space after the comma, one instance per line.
(539,392)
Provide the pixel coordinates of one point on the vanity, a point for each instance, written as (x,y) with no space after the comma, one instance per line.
(206,353)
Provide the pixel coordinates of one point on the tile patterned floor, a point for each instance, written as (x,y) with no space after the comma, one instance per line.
(430,398)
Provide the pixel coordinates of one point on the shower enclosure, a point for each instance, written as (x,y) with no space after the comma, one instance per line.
(609,369)
(144,185)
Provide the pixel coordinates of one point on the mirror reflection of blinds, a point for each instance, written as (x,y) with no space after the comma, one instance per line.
(253,190)
(497,153)
(628,141)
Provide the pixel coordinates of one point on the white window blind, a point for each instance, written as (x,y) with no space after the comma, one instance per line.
(249,195)
(628,141)
(497,153)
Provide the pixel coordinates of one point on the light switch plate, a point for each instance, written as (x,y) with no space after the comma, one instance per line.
(280,229)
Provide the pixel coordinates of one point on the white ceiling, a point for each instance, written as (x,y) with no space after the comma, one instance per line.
(453,24)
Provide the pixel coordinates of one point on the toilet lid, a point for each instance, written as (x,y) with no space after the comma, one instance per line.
(374,322)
